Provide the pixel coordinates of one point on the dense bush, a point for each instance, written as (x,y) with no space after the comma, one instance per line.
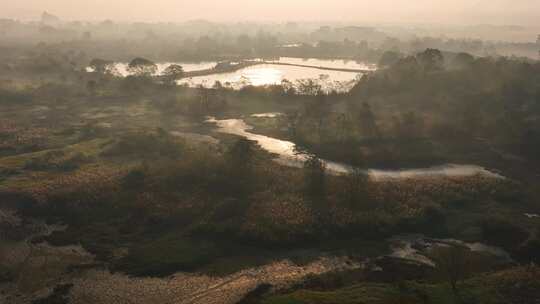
(14,97)
(499,232)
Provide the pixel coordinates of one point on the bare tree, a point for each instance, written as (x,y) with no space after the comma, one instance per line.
(292,121)
(452,264)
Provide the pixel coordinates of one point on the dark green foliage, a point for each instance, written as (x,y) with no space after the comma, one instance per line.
(134,179)
(462,61)
(389,58)
(103,66)
(172,73)
(240,163)
(59,295)
(431,60)
(142,67)
(515,285)
(5,275)
(253,296)
(57,161)
(146,145)
(241,156)
(355,190)
(499,232)
(167,255)
(14,97)
(315,178)
(529,252)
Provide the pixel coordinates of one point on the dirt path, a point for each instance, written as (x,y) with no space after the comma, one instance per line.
(98,287)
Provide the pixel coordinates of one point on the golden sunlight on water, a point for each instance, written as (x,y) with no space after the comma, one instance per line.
(260,76)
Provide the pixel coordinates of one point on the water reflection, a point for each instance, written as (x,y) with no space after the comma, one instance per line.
(270,74)
(267,115)
(288,155)
(416,247)
(267,74)
(328,63)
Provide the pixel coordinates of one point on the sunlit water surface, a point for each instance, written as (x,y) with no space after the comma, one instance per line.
(328,63)
(270,74)
(288,155)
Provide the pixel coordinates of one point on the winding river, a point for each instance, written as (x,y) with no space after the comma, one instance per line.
(288,155)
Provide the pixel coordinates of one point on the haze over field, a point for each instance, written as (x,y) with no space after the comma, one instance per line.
(522,12)
(269,151)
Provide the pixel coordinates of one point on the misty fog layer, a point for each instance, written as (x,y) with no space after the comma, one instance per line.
(269,152)
(524,12)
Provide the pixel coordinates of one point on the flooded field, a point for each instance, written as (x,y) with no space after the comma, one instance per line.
(272,74)
(328,63)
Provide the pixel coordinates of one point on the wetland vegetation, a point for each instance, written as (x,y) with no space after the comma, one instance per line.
(414,181)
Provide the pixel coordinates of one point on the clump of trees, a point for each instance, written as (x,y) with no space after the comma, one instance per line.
(142,67)
(398,114)
(172,73)
(502,233)
(103,66)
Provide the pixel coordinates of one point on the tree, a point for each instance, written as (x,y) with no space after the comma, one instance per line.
(240,162)
(292,121)
(530,251)
(343,127)
(308,87)
(431,60)
(389,58)
(315,178)
(406,67)
(356,191)
(172,73)
(366,120)
(288,87)
(91,86)
(500,232)
(452,264)
(462,60)
(102,66)
(318,112)
(409,126)
(135,179)
(142,67)
(241,155)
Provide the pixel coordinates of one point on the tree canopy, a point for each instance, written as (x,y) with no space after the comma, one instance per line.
(142,67)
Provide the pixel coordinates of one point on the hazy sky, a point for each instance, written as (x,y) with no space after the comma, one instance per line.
(438,11)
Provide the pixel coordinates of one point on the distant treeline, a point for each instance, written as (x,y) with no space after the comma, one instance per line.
(200,40)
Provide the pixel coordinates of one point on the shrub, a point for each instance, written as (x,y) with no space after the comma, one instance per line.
(500,232)
(144,145)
